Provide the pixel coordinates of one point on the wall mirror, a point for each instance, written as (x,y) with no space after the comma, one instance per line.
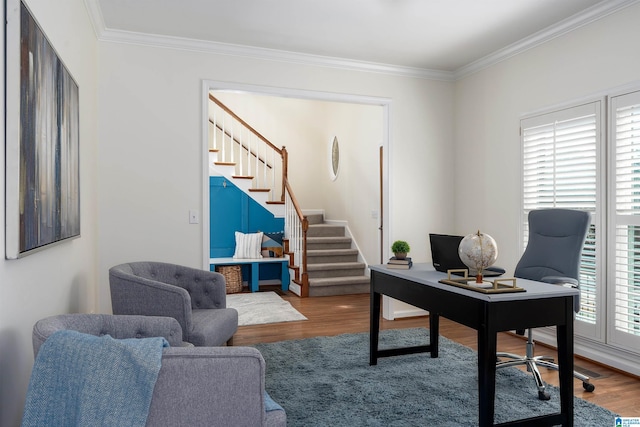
(335,158)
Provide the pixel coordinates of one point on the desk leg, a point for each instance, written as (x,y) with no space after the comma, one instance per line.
(487,347)
(565,364)
(374,327)
(434,333)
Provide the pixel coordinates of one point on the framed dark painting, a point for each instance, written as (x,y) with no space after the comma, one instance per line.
(42,139)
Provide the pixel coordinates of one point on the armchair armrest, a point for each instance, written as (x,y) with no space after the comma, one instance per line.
(132,294)
(214,385)
(561,280)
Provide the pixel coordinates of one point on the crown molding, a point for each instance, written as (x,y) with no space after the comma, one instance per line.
(574,22)
(95,16)
(563,27)
(117,36)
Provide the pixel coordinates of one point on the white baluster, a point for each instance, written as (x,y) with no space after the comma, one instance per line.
(256,173)
(232,142)
(273,173)
(241,152)
(249,138)
(223,157)
(266,183)
(215,129)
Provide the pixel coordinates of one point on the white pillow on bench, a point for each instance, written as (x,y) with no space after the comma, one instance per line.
(248,245)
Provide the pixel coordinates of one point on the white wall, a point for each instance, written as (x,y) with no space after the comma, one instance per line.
(150,147)
(489,104)
(60,279)
(141,165)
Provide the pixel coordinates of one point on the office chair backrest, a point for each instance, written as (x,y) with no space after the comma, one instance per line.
(556,239)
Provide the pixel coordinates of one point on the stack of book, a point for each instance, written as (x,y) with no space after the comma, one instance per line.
(402,264)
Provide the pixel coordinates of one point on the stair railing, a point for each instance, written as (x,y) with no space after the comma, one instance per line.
(295,233)
(253,155)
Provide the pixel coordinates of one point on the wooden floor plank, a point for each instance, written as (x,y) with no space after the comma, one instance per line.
(617,391)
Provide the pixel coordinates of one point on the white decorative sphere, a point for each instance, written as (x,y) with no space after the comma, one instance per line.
(478,251)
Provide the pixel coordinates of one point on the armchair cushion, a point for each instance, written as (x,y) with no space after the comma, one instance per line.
(212,326)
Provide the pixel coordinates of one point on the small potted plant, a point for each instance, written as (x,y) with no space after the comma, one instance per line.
(400,249)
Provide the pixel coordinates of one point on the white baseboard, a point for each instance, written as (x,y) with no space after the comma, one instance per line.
(617,358)
(393,309)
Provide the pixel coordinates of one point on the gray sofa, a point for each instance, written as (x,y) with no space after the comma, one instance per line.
(195,298)
(196,386)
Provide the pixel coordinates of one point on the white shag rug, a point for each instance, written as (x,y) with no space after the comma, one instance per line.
(258,308)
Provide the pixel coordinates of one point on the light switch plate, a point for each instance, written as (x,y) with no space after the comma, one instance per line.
(194,216)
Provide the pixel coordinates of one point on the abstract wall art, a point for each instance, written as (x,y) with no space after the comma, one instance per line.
(42,139)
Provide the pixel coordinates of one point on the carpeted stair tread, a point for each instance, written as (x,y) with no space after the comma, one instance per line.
(334,242)
(329,239)
(331,252)
(325,230)
(315,219)
(335,266)
(337,281)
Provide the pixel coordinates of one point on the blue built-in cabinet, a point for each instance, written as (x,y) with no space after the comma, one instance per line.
(231,210)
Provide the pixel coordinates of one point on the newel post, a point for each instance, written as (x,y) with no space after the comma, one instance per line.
(304,292)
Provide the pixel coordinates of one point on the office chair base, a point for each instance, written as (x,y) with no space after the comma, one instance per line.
(532,363)
(532,366)
(543,395)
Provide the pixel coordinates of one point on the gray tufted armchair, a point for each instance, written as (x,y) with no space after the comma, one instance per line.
(195,298)
(196,386)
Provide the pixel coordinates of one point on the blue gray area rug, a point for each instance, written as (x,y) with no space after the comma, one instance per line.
(327,381)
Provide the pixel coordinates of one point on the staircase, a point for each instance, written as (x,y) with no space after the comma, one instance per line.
(332,264)
(322,259)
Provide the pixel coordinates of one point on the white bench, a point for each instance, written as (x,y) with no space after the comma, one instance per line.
(255,268)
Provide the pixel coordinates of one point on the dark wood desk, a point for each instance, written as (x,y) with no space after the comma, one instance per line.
(541,305)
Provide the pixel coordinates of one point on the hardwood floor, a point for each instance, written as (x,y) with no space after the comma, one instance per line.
(616,391)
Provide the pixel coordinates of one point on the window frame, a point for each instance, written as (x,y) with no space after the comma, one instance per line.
(615,337)
(591,331)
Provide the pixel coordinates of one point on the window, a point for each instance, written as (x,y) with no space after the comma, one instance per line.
(624,214)
(564,165)
(560,170)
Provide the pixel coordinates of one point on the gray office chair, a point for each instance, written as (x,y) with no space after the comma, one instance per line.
(556,239)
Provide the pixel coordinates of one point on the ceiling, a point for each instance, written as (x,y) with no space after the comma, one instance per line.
(439,35)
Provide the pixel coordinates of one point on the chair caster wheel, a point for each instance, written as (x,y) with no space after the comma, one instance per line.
(588,386)
(543,395)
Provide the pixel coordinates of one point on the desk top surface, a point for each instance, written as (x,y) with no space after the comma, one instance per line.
(425,273)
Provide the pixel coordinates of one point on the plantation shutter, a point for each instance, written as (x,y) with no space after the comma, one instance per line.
(560,171)
(624,325)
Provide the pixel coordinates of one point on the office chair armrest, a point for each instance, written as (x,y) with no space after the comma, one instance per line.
(568,282)
(560,280)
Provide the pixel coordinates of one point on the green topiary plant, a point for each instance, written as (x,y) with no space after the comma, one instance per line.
(400,247)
